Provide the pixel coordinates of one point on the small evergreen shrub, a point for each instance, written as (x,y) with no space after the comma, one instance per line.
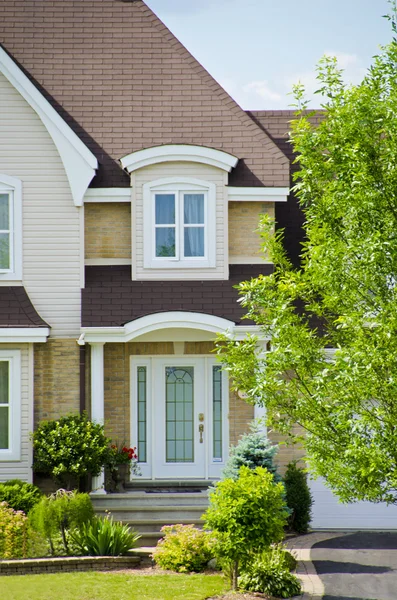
(56,516)
(298,497)
(14,533)
(104,537)
(246,515)
(70,448)
(20,495)
(184,549)
(253,450)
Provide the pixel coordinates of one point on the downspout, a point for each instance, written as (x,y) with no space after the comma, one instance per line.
(81,343)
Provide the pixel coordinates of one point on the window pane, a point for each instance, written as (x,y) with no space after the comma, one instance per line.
(217,412)
(165,209)
(165,241)
(194,209)
(4,442)
(4,383)
(194,241)
(4,212)
(4,250)
(142,412)
(179,420)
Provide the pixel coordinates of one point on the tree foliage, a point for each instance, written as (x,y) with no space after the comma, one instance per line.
(246,515)
(332,366)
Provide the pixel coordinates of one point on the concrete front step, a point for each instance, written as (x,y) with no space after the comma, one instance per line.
(154,525)
(143,498)
(182,514)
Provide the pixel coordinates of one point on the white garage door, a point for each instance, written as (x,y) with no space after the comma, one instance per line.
(328,513)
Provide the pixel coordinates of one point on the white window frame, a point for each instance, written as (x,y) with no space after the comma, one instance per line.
(13,187)
(13,357)
(179,187)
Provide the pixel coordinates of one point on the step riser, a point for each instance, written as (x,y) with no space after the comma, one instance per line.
(154,527)
(132,500)
(164,515)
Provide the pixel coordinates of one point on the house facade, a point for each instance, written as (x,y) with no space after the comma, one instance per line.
(131,186)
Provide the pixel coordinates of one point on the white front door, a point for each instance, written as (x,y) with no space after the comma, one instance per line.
(179,416)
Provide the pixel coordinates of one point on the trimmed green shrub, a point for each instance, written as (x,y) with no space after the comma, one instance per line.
(20,495)
(13,533)
(263,575)
(70,448)
(59,514)
(245,515)
(253,450)
(298,497)
(184,549)
(104,537)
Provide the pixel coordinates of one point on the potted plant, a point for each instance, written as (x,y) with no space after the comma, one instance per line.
(120,463)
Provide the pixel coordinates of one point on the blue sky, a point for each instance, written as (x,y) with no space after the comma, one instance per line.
(257,49)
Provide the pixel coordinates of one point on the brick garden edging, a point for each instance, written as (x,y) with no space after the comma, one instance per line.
(39,566)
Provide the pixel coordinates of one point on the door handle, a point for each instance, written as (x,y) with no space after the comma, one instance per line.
(201,431)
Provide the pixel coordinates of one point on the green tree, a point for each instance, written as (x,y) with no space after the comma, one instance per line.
(332,366)
(70,448)
(246,515)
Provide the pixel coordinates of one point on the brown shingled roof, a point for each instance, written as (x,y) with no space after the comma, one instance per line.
(112,299)
(123,82)
(16,309)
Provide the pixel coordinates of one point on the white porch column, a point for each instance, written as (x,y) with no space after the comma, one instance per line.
(97,402)
(260,414)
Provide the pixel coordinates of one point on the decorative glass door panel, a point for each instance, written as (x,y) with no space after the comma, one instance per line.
(179,414)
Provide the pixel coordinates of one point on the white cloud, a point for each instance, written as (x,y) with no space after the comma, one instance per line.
(264,91)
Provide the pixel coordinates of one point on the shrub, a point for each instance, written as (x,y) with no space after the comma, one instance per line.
(59,514)
(13,533)
(104,537)
(267,574)
(184,548)
(298,497)
(69,448)
(246,515)
(253,450)
(20,495)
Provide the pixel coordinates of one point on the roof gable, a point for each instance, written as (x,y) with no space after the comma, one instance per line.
(124,83)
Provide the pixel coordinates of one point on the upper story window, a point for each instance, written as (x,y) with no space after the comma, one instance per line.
(10,228)
(179,224)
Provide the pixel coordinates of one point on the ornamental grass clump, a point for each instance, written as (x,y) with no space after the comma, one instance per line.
(104,537)
(59,515)
(14,533)
(184,549)
(245,515)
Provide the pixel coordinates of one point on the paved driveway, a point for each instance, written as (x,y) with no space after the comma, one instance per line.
(357,566)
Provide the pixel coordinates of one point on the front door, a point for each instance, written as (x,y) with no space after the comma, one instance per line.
(179,416)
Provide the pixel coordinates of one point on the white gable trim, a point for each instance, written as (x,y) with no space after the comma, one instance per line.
(177,153)
(79,162)
(23,334)
(257,194)
(108,195)
(167,320)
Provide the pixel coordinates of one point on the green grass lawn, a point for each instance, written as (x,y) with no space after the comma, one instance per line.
(110,586)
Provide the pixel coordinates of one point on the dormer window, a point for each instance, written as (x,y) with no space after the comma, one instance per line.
(179,221)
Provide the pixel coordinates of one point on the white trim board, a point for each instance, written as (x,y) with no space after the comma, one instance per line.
(176,153)
(168,320)
(79,162)
(23,334)
(257,194)
(108,195)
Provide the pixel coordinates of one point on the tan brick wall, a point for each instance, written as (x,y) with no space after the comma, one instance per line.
(287,452)
(243,223)
(56,379)
(199,347)
(240,416)
(107,230)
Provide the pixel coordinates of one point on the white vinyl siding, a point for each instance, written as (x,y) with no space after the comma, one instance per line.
(52,245)
(181,170)
(19,466)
